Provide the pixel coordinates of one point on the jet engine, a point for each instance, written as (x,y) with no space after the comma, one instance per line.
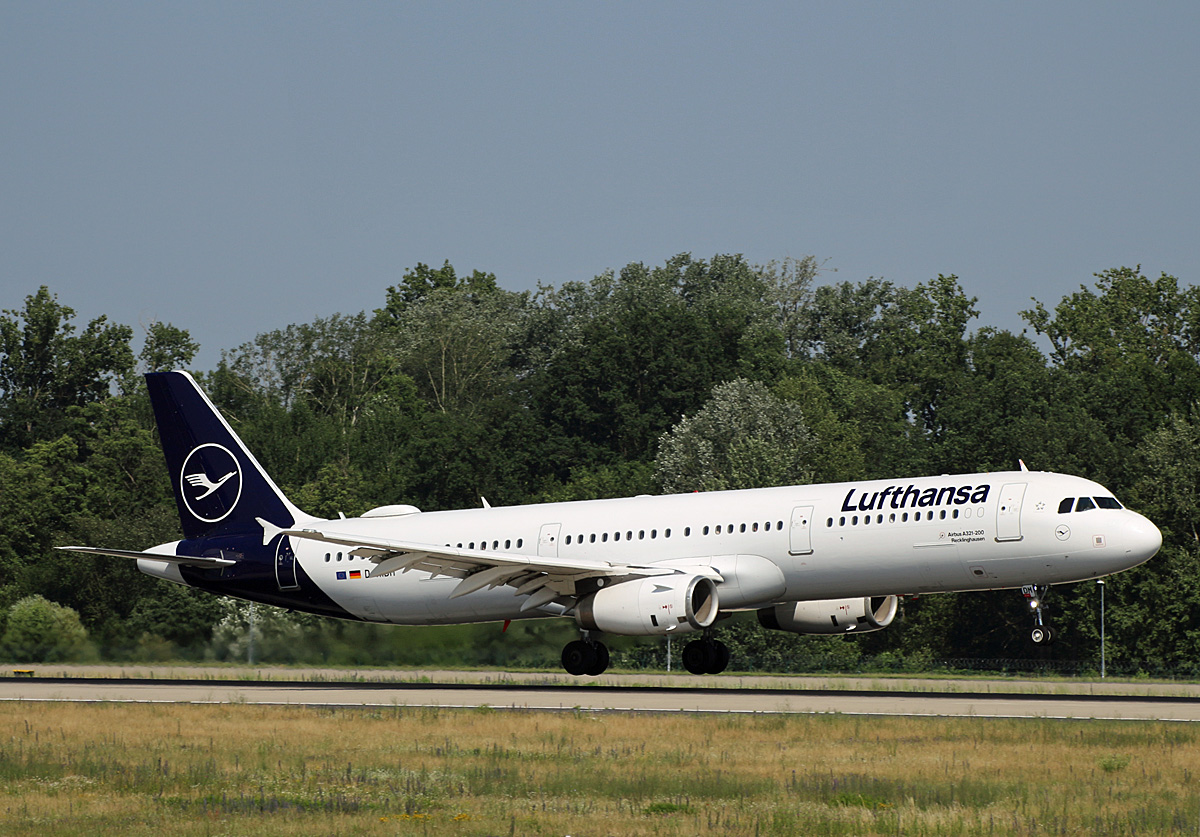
(656,606)
(831,616)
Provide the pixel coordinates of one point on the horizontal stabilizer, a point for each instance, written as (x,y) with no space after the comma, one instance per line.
(185,560)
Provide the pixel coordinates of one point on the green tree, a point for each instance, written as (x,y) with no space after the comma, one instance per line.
(42,492)
(46,368)
(1131,349)
(423,280)
(912,340)
(456,343)
(744,437)
(40,631)
(629,353)
(166,347)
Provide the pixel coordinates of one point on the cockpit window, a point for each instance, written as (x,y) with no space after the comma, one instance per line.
(1086,503)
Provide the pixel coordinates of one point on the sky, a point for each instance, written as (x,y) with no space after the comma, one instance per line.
(234,167)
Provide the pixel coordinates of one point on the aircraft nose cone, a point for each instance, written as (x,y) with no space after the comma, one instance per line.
(1144,539)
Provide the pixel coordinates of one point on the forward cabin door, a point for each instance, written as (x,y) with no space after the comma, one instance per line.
(1008,513)
(800,534)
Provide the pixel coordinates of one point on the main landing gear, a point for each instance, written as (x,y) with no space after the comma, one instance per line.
(1042,633)
(590,657)
(705,656)
(585,656)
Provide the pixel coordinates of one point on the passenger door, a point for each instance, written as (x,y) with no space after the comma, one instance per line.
(800,533)
(1008,512)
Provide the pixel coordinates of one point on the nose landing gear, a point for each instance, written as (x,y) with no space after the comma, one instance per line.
(1042,633)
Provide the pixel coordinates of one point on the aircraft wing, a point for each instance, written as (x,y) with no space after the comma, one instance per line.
(543,578)
(185,560)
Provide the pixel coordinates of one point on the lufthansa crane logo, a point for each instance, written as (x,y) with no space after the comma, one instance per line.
(210,482)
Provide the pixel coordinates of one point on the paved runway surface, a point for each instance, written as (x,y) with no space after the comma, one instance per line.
(953,700)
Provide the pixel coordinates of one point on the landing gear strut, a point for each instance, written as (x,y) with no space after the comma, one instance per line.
(1042,633)
(705,656)
(585,656)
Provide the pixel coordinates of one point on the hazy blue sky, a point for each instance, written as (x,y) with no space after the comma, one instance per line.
(235,167)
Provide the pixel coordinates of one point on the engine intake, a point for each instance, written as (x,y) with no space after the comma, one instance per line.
(651,606)
(831,616)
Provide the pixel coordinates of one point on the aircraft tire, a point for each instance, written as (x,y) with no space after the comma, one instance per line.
(695,657)
(1042,635)
(718,657)
(579,658)
(600,665)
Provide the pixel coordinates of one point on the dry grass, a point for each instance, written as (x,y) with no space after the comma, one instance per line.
(253,770)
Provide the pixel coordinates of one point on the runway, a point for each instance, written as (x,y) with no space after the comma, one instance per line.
(954,700)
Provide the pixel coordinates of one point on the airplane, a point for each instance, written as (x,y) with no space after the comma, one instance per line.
(808,559)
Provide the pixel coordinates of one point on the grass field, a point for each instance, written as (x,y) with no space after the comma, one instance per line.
(253,770)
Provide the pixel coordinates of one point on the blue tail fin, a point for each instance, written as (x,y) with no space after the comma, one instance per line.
(219,486)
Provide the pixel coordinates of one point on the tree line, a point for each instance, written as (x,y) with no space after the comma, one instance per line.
(696,374)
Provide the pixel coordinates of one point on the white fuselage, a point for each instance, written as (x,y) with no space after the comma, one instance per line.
(797,543)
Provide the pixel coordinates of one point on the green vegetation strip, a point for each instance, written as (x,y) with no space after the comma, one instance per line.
(251,770)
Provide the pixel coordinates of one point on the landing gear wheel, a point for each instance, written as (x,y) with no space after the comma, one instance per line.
(589,658)
(720,660)
(705,656)
(600,652)
(578,657)
(695,657)
(1042,635)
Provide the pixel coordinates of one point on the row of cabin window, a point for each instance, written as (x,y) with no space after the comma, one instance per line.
(616,536)
(687,532)
(902,517)
(508,544)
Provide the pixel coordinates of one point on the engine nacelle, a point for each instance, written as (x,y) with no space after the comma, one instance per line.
(665,604)
(831,616)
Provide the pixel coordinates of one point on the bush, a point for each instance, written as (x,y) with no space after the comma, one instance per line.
(41,631)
